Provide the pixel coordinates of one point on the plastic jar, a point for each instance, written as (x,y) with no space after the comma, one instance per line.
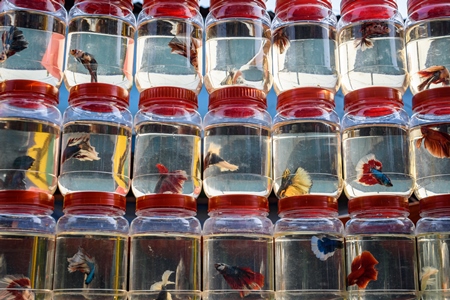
(306,144)
(168,143)
(33,38)
(238,44)
(371,40)
(380,249)
(96,140)
(304,45)
(100,43)
(237,143)
(170,45)
(27,245)
(165,249)
(30,126)
(376,144)
(238,248)
(91,247)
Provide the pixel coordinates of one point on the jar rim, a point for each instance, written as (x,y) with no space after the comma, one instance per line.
(28,198)
(84,199)
(305,202)
(384,202)
(168,94)
(30,89)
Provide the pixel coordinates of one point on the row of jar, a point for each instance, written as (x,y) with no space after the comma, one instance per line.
(368,48)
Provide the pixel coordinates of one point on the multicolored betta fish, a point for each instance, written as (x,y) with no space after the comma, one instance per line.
(363,270)
(425,275)
(281,40)
(88,62)
(15,178)
(162,286)
(368,172)
(213,158)
(296,185)
(234,76)
(79,147)
(324,247)
(15,287)
(181,48)
(243,279)
(170,182)
(371,30)
(433,75)
(13,41)
(83,263)
(436,142)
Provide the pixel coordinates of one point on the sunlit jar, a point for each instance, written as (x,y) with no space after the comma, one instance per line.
(33,37)
(433,242)
(375,141)
(237,156)
(304,45)
(371,45)
(100,43)
(27,245)
(380,249)
(96,140)
(170,45)
(91,247)
(306,145)
(165,249)
(30,126)
(168,144)
(238,45)
(238,249)
(309,237)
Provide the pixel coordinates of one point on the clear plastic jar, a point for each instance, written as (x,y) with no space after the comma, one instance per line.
(238,249)
(33,38)
(100,43)
(237,143)
(427,35)
(30,126)
(91,247)
(380,249)
(165,249)
(304,45)
(27,245)
(375,144)
(96,140)
(433,242)
(166,30)
(429,136)
(371,45)
(238,44)
(306,144)
(309,249)
(168,143)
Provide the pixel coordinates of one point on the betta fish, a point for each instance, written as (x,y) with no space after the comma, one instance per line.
(363,270)
(162,286)
(15,287)
(79,147)
(170,182)
(181,48)
(324,247)
(296,185)
(13,41)
(433,75)
(83,263)
(425,275)
(15,178)
(370,30)
(281,40)
(88,62)
(368,172)
(243,279)
(212,158)
(436,142)
(234,76)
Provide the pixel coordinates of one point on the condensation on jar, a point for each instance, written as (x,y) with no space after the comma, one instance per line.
(238,44)
(375,142)
(304,45)
(306,145)
(96,140)
(237,143)
(100,43)
(170,45)
(30,126)
(371,45)
(168,143)
(33,37)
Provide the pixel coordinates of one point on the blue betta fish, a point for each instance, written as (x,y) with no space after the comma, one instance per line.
(324,247)
(15,178)
(369,172)
(84,263)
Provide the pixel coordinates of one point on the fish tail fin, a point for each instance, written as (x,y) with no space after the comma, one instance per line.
(302,178)
(363,170)
(226,166)
(425,84)
(165,277)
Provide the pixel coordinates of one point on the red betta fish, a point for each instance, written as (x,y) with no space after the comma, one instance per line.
(436,142)
(368,172)
(363,270)
(170,182)
(243,279)
(370,30)
(181,48)
(88,62)
(433,75)
(13,41)
(16,287)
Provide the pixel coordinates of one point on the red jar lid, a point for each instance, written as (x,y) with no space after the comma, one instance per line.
(237,95)
(384,98)
(434,101)
(127,4)
(169,201)
(311,96)
(241,202)
(168,95)
(435,203)
(428,9)
(347,5)
(28,198)
(194,4)
(311,8)
(358,10)
(366,203)
(31,90)
(216,3)
(95,199)
(307,202)
(42,5)
(99,93)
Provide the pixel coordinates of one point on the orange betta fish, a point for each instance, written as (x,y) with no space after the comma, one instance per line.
(370,30)
(433,75)
(436,142)
(243,279)
(363,270)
